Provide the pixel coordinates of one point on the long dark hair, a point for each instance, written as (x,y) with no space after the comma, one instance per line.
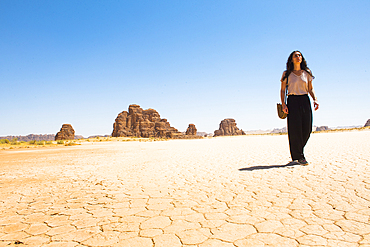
(290,65)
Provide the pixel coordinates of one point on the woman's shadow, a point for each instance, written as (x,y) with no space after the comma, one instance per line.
(252,168)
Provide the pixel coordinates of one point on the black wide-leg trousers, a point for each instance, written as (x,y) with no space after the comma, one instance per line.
(299,124)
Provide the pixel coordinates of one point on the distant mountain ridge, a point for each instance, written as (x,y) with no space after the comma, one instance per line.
(33,137)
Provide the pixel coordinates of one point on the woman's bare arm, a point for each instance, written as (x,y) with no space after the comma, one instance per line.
(313,95)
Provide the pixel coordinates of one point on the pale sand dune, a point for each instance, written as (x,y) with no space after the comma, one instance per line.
(227,191)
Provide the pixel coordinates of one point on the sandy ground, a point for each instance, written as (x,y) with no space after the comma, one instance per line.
(227,191)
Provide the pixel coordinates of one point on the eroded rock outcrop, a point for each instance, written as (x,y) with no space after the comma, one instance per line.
(191,130)
(367,123)
(143,123)
(66,133)
(228,128)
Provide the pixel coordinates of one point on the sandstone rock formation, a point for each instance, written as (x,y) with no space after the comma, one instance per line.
(322,128)
(65,133)
(367,123)
(143,123)
(191,130)
(228,128)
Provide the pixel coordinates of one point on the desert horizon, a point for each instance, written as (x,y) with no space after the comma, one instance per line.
(138,122)
(36,141)
(48,137)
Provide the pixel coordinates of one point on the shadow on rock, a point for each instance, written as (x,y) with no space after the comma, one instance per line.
(252,168)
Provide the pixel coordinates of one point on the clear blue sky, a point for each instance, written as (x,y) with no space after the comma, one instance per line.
(83,62)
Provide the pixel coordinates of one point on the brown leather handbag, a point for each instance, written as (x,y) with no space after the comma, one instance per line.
(280,111)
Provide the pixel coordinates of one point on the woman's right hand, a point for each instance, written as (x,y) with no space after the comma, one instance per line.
(285,109)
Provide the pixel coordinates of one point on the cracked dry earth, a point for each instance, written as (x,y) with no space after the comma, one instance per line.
(229,191)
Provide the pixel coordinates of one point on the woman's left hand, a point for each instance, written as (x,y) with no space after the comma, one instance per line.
(316,105)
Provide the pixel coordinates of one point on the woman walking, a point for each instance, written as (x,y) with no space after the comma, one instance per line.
(297,81)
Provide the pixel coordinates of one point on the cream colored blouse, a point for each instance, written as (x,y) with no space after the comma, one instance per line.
(298,85)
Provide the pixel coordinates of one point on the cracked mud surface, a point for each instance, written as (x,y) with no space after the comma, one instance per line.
(230,191)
